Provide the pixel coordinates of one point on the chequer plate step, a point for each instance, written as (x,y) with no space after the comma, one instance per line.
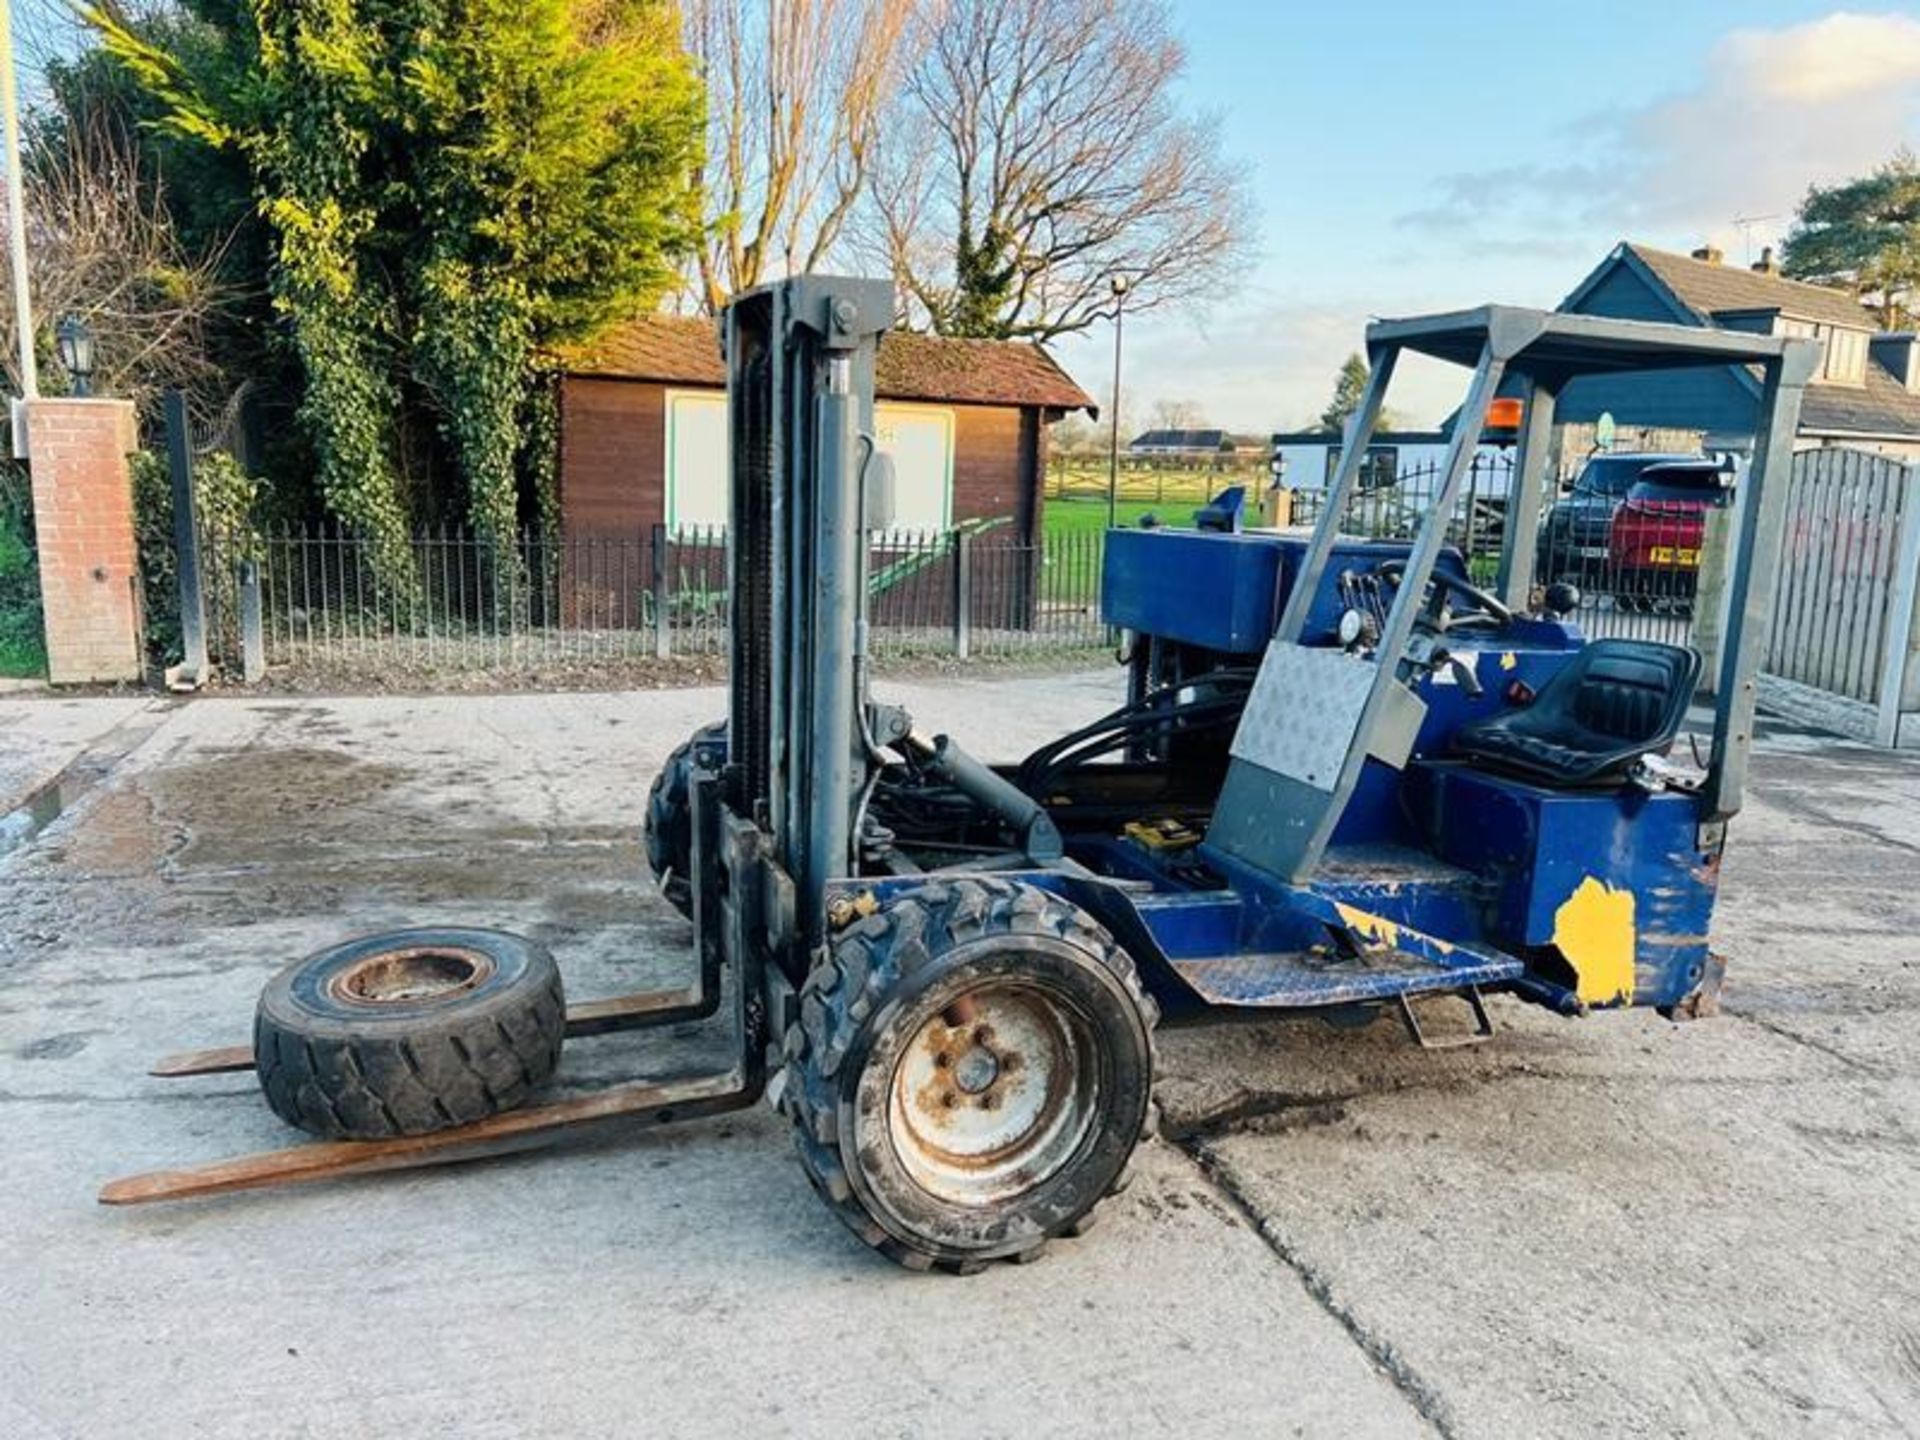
(1297,979)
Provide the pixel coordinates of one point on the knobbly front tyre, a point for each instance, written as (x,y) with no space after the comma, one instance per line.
(971,1073)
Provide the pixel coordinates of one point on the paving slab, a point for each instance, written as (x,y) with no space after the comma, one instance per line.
(682,1282)
(1615,1226)
(1620,1226)
(41,734)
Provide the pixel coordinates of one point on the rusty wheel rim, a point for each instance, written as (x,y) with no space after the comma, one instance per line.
(993,1095)
(412,976)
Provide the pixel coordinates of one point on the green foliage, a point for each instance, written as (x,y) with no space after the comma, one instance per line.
(22,633)
(1348,388)
(225,497)
(451,189)
(986,277)
(1864,234)
(206,192)
(540,448)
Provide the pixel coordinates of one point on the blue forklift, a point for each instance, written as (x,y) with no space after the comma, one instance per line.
(1350,777)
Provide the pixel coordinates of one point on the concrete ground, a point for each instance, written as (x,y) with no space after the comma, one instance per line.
(1614,1226)
(40,736)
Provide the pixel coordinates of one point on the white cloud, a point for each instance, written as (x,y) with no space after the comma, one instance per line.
(1772,112)
(1827,59)
(1269,363)
(1769,112)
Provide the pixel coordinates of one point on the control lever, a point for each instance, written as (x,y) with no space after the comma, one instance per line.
(1464,674)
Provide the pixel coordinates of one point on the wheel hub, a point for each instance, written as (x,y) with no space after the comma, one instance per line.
(406,977)
(994,1094)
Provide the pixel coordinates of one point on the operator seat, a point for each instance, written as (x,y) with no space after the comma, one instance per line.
(1615,701)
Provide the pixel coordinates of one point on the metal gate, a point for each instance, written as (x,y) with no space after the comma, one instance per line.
(1842,618)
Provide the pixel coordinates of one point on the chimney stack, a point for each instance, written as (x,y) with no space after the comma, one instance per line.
(1766,264)
(1712,254)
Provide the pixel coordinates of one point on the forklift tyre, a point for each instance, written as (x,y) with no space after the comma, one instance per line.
(971,1073)
(669,828)
(409,1032)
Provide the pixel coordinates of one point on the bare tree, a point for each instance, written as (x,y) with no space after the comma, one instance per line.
(1178,415)
(101,245)
(1038,156)
(796,92)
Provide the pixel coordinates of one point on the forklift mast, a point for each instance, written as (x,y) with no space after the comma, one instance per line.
(803,491)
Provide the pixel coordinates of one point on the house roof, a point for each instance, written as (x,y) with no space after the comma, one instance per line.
(1380,437)
(1883,406)
(1710,288)
(1704,292)
(685,350)
(1178,440)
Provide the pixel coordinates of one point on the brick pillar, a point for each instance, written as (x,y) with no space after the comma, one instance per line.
(83,517)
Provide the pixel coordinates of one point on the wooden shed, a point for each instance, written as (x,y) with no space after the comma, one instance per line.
(643,430)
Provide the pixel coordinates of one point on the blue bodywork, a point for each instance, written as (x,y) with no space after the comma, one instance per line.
(1230,587)
(1440,877)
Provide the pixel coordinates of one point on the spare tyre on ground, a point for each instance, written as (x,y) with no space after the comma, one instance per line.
(409,1032)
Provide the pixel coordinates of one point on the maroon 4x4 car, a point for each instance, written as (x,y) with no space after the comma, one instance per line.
(1657,533)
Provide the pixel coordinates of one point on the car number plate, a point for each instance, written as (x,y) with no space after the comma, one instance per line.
(1590,552)
(1671,555)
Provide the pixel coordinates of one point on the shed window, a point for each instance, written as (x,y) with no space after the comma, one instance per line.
(1379,470)
(696,469)
(919,437)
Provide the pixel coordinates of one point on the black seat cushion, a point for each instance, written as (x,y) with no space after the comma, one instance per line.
(1612,703)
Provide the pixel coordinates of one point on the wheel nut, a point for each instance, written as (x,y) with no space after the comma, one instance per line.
(949,1100)
(942,1060)
(983,1036)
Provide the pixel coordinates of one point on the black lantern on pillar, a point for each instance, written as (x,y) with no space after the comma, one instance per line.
(76,352)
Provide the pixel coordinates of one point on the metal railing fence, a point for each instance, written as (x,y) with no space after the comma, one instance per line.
(1638,583)
(462,603)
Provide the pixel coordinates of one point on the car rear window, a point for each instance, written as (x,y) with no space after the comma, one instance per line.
(1610,475)
(1683,482)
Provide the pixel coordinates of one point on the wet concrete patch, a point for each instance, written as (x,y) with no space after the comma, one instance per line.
(56,1047)
(239,805)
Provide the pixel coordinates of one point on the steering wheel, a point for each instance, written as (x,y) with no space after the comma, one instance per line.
(1482,607)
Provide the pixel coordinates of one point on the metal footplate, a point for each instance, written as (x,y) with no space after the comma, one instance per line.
(1366,959)
(1306,979)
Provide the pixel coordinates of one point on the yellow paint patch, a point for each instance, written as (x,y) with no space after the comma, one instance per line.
(1507,661)
(1593,928)
(1369,927)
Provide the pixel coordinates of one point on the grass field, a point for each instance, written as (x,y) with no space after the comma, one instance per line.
(1076,494)
(1085,515)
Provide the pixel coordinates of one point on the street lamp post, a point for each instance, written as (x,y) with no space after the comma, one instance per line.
(75,343)
(16,218)
(1119,286)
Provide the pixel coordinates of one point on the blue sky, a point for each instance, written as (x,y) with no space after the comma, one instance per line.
(1413,156)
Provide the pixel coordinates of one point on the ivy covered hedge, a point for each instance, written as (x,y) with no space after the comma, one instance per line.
(449,190)
(225,496)
(22,635)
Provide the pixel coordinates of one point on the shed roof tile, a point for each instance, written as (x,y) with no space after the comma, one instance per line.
(685,350)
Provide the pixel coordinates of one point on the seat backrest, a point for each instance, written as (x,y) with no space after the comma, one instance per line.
(1629,689)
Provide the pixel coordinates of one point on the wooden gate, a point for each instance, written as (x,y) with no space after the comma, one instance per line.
(1842,617)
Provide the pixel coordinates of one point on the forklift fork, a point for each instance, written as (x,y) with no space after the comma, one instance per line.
(663,1102)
